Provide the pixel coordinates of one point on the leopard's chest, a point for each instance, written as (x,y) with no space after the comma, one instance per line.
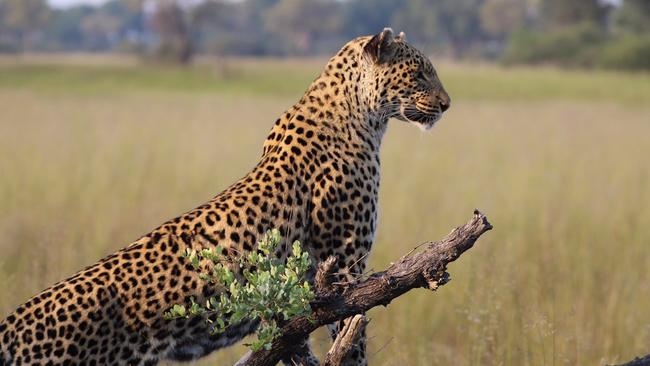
(345,210)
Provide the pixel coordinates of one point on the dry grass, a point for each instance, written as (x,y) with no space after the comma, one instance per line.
(562,280)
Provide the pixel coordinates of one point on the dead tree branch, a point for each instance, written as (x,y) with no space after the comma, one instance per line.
(346,339)
(426,268)
(638,361)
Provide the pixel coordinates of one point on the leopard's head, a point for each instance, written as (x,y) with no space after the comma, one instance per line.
(406,85)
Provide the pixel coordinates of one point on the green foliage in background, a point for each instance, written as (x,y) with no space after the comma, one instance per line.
(629,52)
(570,46)
(633,17)
(582,45)
(586,33)
(272,291)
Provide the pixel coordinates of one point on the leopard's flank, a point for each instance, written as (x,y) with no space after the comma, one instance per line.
(317,181)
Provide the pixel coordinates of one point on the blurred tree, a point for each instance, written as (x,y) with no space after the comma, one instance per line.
(562,13)
(170,24)
(460,23)
(255,34)
(133,30)
(499,18)
(25,19)
(131,14)
(100,31)
(452,23)
(302,22)
(419,20)
(577,45)
(117,24)
(134,6)
(633,16)
(214,22)
(215,14)
(64,31)
(362,17)
(255,11)
(232,27)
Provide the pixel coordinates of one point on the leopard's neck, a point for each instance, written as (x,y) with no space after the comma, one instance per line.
(335,112)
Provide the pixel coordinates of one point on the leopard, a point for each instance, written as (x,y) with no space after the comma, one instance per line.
(317,182)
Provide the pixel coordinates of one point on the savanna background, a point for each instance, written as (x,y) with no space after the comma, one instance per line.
(118,115)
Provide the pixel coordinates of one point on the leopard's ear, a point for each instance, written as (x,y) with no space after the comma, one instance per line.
(381,47)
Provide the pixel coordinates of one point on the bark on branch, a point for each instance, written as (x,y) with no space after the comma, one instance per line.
(426,268)
(638,361)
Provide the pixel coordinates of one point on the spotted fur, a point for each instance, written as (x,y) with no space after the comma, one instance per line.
(317,181)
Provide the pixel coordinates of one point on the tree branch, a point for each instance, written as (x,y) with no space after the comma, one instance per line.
(426,269)
(638,361)
(346,339)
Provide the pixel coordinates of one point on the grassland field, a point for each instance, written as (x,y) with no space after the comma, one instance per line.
(95,152)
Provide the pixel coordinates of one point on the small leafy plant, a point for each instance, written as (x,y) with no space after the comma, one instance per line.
(272,290)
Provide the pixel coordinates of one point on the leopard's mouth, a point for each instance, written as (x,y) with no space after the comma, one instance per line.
(423,119)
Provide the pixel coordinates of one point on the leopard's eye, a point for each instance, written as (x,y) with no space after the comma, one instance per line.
(420,75)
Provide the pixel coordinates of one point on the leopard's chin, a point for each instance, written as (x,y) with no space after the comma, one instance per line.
(424,121)
(425,126)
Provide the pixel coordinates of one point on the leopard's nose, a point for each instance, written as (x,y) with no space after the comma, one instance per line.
(444,100)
